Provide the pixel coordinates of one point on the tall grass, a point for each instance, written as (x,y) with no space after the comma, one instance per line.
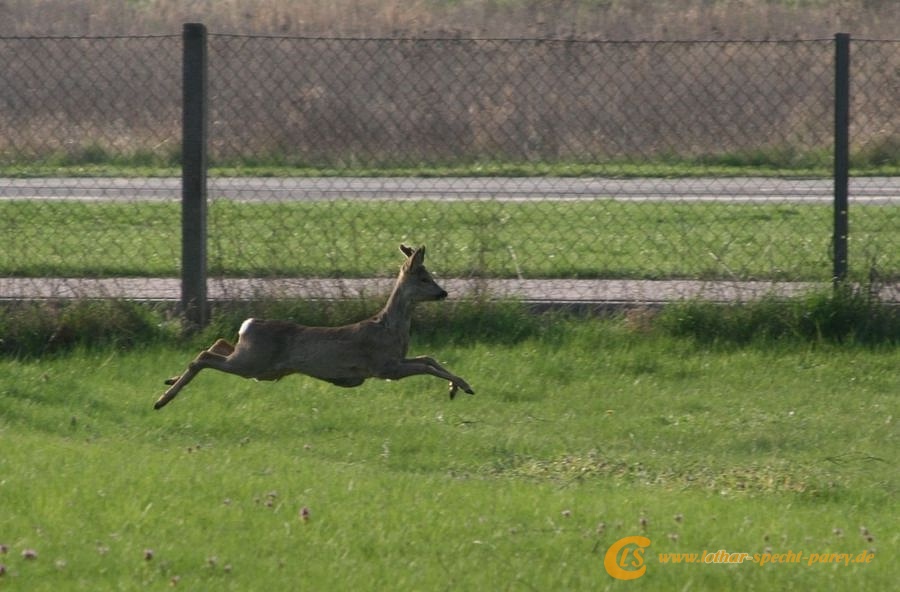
(33,329)
(37,328)
(847,315)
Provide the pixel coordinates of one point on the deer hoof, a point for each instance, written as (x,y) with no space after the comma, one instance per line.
(164,399)
(465,386)
(455,387)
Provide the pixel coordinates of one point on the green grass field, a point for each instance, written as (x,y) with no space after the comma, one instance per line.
(581,433)
(601,238)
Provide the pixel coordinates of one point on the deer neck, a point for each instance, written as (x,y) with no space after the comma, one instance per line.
(397,313)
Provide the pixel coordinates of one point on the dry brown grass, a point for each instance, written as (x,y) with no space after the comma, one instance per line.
(606,19)
(360,103)
(402,102)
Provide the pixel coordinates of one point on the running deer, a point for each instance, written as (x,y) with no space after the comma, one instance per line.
(345,356)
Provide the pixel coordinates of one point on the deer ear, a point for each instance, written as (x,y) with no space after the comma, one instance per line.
(418,257)
(406,250)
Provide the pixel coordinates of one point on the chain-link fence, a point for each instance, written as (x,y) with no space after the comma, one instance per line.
(89,125)
(540,169)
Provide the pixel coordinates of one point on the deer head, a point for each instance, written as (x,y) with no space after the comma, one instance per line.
(416,281)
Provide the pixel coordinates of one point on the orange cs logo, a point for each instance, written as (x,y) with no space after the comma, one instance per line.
(624,560)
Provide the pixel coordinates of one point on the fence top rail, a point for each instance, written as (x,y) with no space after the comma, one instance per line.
(565,40)
(87,37)
(451,38)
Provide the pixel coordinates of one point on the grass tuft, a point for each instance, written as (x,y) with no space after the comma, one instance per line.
(853,316)
(35,328)
(845,315)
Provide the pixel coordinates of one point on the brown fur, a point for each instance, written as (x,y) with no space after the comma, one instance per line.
(345,356)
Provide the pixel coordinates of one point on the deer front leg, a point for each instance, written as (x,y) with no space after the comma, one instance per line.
(427,365)
(455,383)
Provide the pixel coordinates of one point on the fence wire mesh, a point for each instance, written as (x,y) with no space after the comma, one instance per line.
(540,169)
(86,123)
(874,241)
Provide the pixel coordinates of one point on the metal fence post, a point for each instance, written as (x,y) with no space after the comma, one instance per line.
(841,155)
(193,176)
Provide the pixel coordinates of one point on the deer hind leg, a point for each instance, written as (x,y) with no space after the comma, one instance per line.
(214,357)
(220,347)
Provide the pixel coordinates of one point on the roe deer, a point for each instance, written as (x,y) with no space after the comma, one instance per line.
(345,356)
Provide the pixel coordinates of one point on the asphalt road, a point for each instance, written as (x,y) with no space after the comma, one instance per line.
(863,190)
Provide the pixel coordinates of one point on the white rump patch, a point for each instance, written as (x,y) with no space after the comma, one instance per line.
(244,326)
